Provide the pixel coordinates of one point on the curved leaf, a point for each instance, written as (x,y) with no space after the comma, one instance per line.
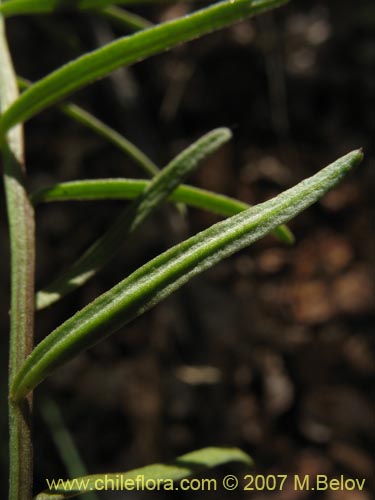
(128,189)
(182,467)
(161,276)
(103,249)
(90,121)
(125,51)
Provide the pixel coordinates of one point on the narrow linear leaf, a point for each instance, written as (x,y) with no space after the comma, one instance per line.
(105,8)
(35,7)
(32,7)
(158,190)
(64,442)
(125,18)
(125,51)
(161,276)
(85,118)
(88,120)
(183,466)
(128,189)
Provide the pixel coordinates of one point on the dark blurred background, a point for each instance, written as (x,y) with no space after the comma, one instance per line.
(272,350)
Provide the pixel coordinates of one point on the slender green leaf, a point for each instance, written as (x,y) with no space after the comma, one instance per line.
(27,7)
(102,250)
(85,118)
(35,7)
(105,8)
(125,18)
(128,189)
(125,51)
(64,442)
(167,474)
(169,271)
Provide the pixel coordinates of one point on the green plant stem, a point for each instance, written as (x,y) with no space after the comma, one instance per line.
(21,230)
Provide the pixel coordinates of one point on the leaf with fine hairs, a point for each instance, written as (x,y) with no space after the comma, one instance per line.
(125,51)
(164,274)
(158,190)
(128,189)
(168,474)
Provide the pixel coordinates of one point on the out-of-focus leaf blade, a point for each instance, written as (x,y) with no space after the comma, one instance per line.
(125,51)
(132,21)
(128,189)
(161,276)
(35,7)
(182,467)
(90,121)
(103,249)
(64,442)
(30,7)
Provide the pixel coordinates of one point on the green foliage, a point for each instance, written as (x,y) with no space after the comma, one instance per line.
(102,250)
(170,270)
(125,51)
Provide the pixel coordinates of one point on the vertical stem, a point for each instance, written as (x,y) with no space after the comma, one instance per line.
(21,230)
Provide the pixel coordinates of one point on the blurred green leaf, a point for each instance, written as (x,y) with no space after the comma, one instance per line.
(32,7)
(64,441)
(161,276)
(182,467)
(90,121)
(35,7)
